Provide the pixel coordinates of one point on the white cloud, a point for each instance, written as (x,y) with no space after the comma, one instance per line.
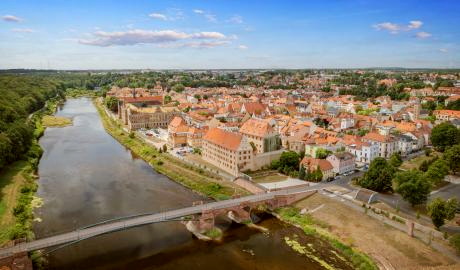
(211,17)
(11,18)
(395,28)
(236,19)
(206,44)
(242,47)
(444,50)
(137,36)
(391,27)
(158,16)
(198,11)
(423,35)
(415,24)
(23,30)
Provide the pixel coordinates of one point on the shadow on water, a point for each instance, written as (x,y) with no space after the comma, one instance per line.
(86,177)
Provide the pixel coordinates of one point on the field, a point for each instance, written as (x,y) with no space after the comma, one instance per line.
(55,121)
(390,248)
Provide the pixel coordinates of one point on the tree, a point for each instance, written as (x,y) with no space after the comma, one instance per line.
(455,242)
(445,135)
(395,160)
(378,177)
(165,148)
(322,153)
(111,103)
(302,173)
(179,88)
(289,161)
(452,157)
(440,210)
(437,171)
(167,99)
(413,186)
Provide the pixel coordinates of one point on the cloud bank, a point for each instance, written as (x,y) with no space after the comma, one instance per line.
(169,37)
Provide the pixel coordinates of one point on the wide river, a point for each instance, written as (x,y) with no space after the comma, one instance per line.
(86,177)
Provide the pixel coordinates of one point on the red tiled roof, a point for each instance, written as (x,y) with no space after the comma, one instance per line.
(228,140)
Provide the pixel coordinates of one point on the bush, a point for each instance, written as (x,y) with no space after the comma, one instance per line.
(455,242)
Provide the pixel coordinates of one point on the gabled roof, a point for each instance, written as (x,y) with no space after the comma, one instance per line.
(256,127)
(313,163)
(228,140)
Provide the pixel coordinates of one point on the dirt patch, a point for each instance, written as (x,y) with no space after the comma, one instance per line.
(389,247)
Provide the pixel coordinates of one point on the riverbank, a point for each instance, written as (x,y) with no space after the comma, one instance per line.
(195,179)
(18,184)
(313,227)
(389,247)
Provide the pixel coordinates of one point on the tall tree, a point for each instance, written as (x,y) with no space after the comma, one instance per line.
(445,135)
(395,160)
(413,186)
(378,177)
(452,156)
(440,210)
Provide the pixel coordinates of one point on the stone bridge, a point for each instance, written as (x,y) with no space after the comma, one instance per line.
(203,216)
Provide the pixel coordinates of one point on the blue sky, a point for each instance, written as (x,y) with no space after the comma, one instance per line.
(83,34)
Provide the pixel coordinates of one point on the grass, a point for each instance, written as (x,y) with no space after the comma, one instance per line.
(214,233)
(11,180)
(55,121)
(189,176)
(415,163)
(310,226)
(272,178)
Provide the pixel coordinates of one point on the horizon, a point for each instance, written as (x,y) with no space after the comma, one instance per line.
(232,35)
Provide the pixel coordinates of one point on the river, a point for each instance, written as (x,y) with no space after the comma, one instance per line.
(86,176)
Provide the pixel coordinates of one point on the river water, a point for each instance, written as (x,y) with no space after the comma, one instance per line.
(86,176)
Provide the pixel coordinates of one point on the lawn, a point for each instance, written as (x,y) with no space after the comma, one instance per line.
(11,180)
(56,121)
(271,178)
(416,162)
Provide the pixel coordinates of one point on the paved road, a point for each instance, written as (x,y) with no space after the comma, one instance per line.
(135,221)
(397,202)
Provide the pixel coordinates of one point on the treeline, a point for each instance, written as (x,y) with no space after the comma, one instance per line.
(22,95)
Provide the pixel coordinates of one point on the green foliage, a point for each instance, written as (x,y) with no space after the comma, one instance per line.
(132,135)
(455,242)
(288,162)
(452,157)
(314,176)
(322,153)
(395,160)
(413,186)
(454,105)
(437,171)
(21,96)
(445,135)
(111,103)
(440,210)
(167,99)
(378,177)
(179,88)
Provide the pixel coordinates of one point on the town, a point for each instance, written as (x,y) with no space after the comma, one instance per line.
(272,135)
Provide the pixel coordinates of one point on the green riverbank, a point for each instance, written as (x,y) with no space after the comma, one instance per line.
(18,184)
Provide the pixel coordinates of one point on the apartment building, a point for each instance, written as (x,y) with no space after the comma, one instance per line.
(386,143)
(229,151)
(261,135)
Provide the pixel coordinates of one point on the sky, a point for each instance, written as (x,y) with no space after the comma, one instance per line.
(233,34)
